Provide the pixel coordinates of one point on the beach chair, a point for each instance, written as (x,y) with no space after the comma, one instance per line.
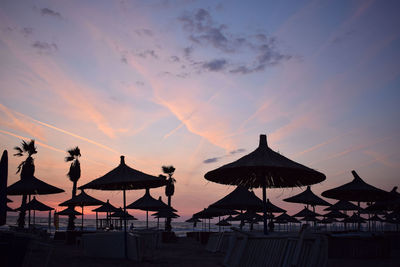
(235,250)
(214,242)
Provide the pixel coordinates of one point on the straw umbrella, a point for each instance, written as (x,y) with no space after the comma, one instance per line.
(107,208)
(122,215)
(194,221)
(148,203)
(82,200)
(357,190)
(3,186)
(125,178)
(32,186)
(265,168)
(69,211)
(239,199)
(309,198)
(35,205)
(306,213)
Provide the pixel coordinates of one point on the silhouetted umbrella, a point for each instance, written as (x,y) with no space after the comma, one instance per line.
(306,213)
(35,205)
(239,199)
(285,217)
(391,204)
(229,218)
(328,220)
(265,168)
(148,203)
(250,216)
(375,218)
(357,190)
(310,219)
(165,214)
(119,213)
(82,200)
(354,219)
(223,223)
(335,214)
(343,205)
(271,208)
(193,220)
(3,186)
(107,208)
(125,178)
(32,186)
(307,197)
(69,211)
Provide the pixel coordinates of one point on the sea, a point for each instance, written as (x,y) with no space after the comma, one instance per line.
(180,228)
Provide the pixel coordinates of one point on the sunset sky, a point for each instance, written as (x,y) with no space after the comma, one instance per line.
(194,83)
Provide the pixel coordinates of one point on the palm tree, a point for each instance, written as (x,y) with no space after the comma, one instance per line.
(74,174)
(26,169)
(169,190)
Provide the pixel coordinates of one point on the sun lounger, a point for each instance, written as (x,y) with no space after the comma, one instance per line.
(111,245)
(308,250)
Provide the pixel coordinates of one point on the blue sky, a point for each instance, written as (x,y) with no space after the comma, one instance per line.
(194,83)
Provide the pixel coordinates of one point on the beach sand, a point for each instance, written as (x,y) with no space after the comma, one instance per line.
(185,252)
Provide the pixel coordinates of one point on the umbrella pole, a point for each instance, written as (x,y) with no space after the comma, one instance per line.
(147,219)
(359,216)
(82,220)
(264,193)
(96,220)
(29,213)
(34,217)
(125,234)
(219,220)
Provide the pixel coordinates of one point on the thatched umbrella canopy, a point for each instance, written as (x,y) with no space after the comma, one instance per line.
(148,203)
(193,220)
(3,187)
(306,213)
(107,208)
(69,211)
(32,186)
(307,197)
(119,213)
(223,223)
(328,220)
(357,190)
(82,200)
(335,214)
(387,205)
(265,168)
(239,199)
(286,217)
(343,205)
(35,205)
(310,219)
(165,214)
(125,178)
(271,208)
(354,219)
(375,218)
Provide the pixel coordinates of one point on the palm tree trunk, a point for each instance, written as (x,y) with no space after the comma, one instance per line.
(168,226)
(21,218)
(71,218)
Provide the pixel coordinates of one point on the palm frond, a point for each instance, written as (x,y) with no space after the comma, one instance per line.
(20,166)
(18,149)
(69,158)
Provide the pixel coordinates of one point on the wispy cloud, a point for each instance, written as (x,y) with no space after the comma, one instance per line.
(49,12)
(37,142)
(203,32)
(231,153)
(44,47)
